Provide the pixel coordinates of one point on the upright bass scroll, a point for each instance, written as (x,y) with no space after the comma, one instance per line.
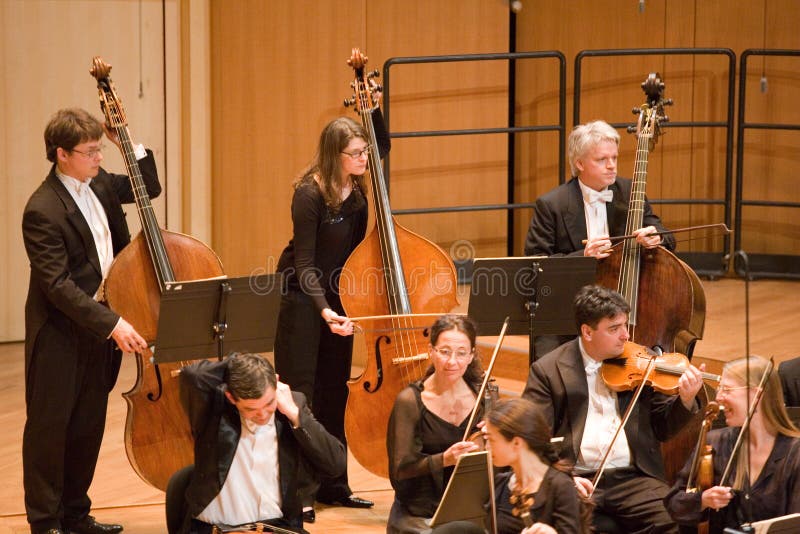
(415,276)
(157,436)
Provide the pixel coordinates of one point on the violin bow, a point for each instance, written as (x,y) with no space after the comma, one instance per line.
(651,365)
(486,376)
(746,425)
(721,226)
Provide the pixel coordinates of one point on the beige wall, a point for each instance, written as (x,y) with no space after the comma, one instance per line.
(46,49)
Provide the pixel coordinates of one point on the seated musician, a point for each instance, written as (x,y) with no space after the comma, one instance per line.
(519,437)
(592,206)
(538,483)
(577,404)
(428,423)
(254,438)
(774,467)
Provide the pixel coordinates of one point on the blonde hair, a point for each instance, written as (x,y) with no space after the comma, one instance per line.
(770,407)
(584,137)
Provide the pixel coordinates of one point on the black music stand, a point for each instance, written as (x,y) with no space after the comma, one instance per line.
(535,292)
(207,318)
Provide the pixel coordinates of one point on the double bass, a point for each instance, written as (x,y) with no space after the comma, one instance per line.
(158,439)
(395,277)
(665,295)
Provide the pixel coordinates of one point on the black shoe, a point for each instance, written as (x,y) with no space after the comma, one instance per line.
(309,516)
(54,531)
(88,525)
(351,502)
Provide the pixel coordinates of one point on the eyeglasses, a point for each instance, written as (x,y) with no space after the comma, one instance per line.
(357,155)
(724,390)
(91,154)
(446,352)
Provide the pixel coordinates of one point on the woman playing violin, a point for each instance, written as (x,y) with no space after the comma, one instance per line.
(774,467)
(539,483)
(428,422)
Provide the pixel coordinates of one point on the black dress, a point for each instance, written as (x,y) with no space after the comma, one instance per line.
(556,503)
(308,356)
(776,492)
(416,442)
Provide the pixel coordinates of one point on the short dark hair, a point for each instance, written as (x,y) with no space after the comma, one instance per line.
(593,303)
(249,375)
(69,128)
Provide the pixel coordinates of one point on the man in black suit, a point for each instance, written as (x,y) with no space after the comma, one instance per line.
(254,441)
(591,207)
(580,407)
(72,226)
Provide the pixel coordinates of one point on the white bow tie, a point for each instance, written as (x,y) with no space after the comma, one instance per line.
(594,197)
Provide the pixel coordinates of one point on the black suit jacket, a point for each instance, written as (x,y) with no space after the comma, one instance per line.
(789,372)
(557,383)
(559,224)
(65,268)
(216,428)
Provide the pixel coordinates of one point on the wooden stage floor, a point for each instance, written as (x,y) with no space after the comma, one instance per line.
(120,496)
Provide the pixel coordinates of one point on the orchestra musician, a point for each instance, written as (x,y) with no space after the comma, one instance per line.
(254,438)
(428,423)
(73,226)
(313,344)
(592,206)
(577,404)
(774,466)
(518,435)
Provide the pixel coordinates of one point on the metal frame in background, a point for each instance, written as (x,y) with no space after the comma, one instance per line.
(465,267)
(708,264)
(761,265)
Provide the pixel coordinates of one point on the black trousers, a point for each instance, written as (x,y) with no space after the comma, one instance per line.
(315,361)
(67,382)
(634,501)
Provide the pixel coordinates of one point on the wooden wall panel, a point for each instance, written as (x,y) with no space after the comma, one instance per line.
(688,163)
(279,74)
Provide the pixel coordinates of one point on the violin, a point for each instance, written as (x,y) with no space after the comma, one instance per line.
(627,371)
(701,473)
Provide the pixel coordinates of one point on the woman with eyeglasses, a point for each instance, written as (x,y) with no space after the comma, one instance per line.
(313,344)
(773,471)
(428,422)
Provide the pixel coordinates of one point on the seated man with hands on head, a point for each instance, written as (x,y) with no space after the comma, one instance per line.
(254,439)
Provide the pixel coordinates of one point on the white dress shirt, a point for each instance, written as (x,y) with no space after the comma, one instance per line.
(594,208)
(602,421)
(251,491)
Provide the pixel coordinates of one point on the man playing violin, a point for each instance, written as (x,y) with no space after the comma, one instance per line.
(589,208)
(581,408)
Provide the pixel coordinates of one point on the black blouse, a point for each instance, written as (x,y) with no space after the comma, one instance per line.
(776,492)
(556,503)
(322,241)
(416,441)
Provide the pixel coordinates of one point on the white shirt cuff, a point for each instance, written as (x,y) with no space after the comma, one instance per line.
(139,152)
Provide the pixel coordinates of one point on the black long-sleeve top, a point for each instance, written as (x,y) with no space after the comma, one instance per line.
(776,491)
(322,241)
